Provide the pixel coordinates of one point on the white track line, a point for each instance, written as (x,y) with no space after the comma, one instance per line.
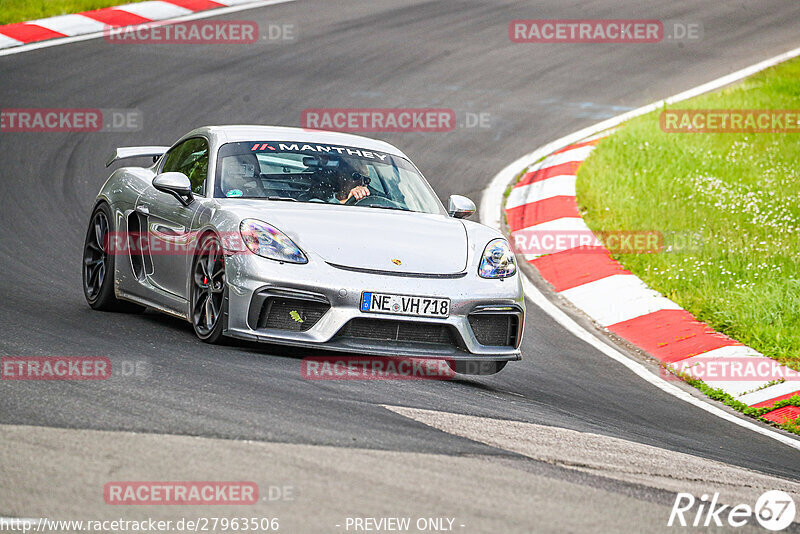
(70,24)
(491,213)
(194,16)
(6,41)
(554,236)
(156,10)
(772,392)
(562,185)
(631,299)
(568,156)
(739,353)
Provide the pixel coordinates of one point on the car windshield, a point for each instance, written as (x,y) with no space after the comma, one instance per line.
(322,173)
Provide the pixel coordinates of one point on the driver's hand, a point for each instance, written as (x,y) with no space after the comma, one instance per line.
(358,193)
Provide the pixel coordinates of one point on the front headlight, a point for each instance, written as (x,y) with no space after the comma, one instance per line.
(498,260)
(269,242)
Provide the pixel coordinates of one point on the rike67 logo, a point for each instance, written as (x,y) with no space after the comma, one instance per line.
(774,510)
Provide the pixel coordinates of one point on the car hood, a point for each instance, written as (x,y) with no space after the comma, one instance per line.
(368,238)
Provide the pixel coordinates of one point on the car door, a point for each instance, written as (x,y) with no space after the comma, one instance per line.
(169,223)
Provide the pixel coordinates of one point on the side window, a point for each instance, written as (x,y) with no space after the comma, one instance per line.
(190,158)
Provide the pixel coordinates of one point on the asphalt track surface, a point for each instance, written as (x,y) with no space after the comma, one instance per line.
(453,54)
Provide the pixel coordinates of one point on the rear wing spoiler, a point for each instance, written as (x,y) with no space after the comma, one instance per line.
(125,152)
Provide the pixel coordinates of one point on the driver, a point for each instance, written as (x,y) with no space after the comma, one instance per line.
(347,179)
(355,173)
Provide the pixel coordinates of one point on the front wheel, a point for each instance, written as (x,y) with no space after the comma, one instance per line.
(208,290)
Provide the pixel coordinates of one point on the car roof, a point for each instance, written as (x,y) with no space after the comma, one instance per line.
(238,133)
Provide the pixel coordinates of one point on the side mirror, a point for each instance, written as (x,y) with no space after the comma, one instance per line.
(176,184)
(460,207)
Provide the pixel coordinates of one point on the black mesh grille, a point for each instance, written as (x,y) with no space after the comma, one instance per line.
(390,330)
(495,329)
(296,315)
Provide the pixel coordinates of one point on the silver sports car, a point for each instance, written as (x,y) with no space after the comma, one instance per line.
(303,237)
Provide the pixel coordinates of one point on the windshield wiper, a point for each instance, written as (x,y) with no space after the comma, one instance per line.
(287,199)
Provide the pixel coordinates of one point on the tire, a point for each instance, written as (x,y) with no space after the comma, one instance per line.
(208,290)
(475,367)
(98,265)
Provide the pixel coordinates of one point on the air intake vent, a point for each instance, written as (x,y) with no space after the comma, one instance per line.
(391,330)
(496,329)
(296,315)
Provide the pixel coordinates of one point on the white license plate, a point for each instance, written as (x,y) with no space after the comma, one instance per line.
(404,305)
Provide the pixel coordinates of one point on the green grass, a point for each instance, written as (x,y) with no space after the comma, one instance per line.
(21,10)
(728,206)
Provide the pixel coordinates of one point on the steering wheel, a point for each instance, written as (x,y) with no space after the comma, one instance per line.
(373,200)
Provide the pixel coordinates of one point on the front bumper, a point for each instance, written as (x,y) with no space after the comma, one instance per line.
(252,279)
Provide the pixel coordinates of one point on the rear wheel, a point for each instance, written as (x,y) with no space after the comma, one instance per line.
(208,290)
(98,265)
(477,367)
